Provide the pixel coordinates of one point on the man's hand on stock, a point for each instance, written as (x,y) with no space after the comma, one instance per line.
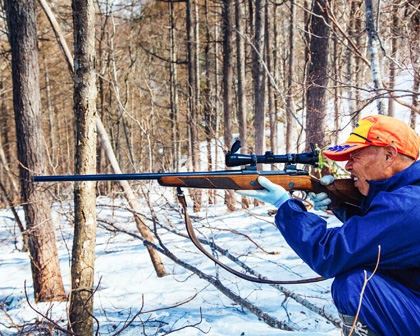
(272,194)
(321,200)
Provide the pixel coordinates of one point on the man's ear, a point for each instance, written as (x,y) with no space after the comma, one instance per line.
(391,153)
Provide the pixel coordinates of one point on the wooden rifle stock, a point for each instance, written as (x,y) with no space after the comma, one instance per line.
(341,191)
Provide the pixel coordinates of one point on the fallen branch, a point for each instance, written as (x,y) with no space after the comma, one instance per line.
(299,299)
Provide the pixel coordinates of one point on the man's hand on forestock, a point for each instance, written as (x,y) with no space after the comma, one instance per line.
(272,194)
(321,200)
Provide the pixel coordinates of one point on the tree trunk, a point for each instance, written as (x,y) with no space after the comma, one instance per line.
(317,75)
(414,29)
(49,109)
(375,66)
(176,147)
(394,55)
(83,252)
(193,103)
(290,72)
(336,100)
(359,70)
(47,281)
(241,69)
(269,42)
(415,102)
(350,69)
(228,86)
(216,90)
(208,107)
(259,77)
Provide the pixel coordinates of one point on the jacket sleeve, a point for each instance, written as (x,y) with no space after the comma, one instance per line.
(346,212)
(390,222)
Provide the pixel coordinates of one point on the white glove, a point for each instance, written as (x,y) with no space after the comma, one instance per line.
(321,200)
(272,194)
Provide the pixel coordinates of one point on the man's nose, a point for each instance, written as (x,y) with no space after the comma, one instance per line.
(348,165)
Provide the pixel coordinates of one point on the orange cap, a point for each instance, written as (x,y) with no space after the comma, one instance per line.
(377,130)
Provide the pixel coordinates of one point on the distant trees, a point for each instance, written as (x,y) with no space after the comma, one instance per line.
(169,78)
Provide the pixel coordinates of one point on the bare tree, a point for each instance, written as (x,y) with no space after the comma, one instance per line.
(316,96)
(375,66)
(413,12)
(176,147)
(259,76)
(269,54)
(47,281)
(394,55)
(290,73)
(83,252)
(241,75)
(227,16)
(193,102)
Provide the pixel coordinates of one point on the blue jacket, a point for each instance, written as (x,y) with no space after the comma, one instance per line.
(390,217)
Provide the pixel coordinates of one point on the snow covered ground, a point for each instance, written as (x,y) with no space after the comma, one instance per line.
(127,282)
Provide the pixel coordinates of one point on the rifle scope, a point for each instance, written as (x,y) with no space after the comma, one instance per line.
(233,160)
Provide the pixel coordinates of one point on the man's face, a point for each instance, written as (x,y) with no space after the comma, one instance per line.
(366,164)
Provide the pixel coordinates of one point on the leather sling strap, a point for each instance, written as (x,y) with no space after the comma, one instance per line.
(197,243)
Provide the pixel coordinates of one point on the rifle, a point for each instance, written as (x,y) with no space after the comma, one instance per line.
(341,192)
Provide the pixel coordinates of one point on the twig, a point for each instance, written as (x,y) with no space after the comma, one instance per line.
(155,310)
(246,236)
(363,290)
(67,332)
(190,326)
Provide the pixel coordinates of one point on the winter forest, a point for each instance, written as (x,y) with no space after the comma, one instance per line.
(113,86)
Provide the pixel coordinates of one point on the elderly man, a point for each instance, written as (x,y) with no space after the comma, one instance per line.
(381,155)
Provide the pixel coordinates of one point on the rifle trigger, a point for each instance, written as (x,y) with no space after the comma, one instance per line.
(179,191)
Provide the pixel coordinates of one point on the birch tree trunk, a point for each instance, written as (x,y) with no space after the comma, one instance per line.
(84,241)
(46,275)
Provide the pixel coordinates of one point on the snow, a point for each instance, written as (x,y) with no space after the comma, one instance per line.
(127,283)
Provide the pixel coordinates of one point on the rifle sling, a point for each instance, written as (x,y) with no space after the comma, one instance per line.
(196,242)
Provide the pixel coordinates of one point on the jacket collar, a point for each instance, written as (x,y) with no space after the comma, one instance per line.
(408,176)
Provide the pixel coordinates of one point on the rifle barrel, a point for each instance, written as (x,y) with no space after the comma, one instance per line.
(133,177)
(157,176)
